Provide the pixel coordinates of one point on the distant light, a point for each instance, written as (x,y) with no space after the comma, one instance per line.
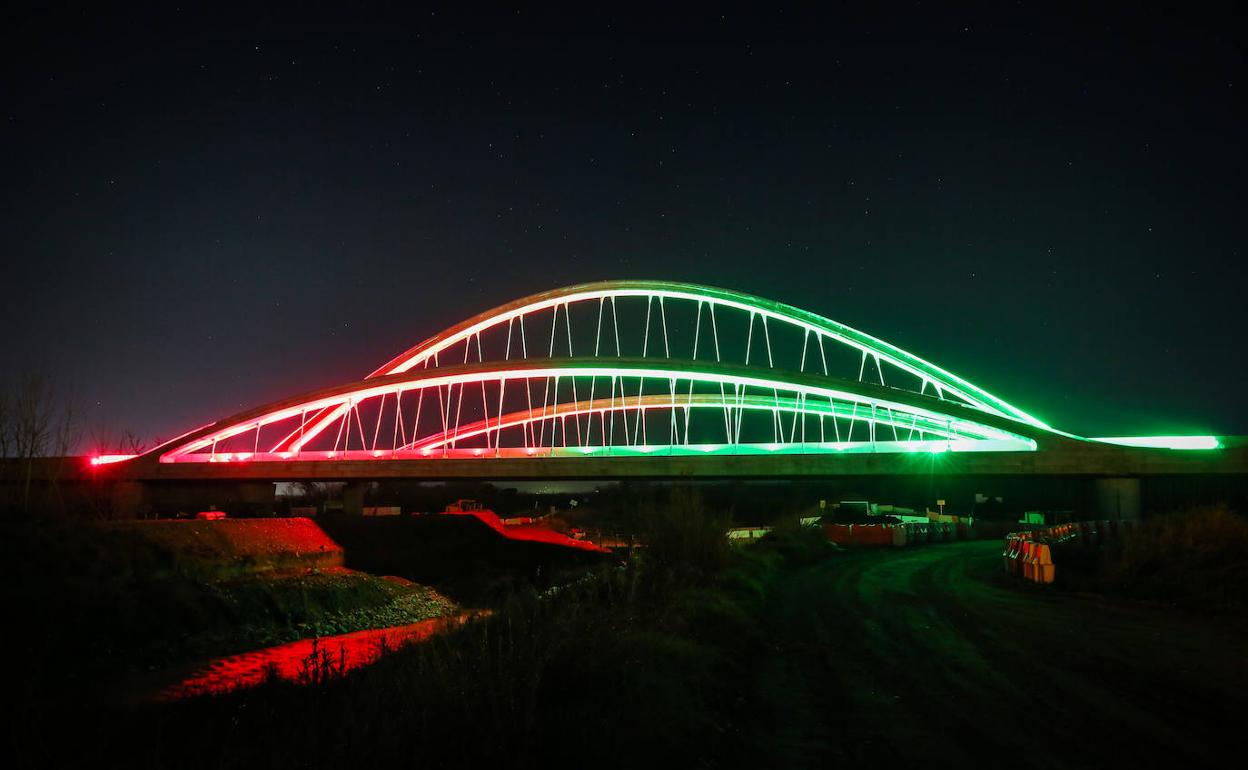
(106,459)
(1163,442)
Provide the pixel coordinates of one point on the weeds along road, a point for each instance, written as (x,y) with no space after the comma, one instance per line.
(932,656)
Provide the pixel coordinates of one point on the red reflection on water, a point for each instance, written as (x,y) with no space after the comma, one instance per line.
(294,661)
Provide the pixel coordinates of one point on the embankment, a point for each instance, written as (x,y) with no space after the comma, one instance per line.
(97,602)
(234,547)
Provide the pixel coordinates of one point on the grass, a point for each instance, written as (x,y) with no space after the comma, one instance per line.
(88,602)
(459,555)
(1196,558)
(647,658)
(781,653)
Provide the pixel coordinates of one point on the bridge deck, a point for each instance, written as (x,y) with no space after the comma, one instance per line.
(1070,459)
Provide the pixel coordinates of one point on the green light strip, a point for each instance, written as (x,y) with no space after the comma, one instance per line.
(779,311)
(355,393)
(917,448)
(1163,442)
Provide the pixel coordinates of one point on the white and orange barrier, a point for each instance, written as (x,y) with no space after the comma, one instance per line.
(1029,555)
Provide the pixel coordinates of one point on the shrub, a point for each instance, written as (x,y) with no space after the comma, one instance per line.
(1197,556)
(684,533)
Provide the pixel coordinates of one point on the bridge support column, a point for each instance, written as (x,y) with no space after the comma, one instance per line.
(239,498)
(1116,498)
(353,498)
(127,499)
(262,492)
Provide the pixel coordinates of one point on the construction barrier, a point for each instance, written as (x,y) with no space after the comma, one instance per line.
(1042,570)
(872,535)
(1012,554)
(1029,560)
(900,536)
(897,535)
(839,533)
(916,533)
(867,535)
(1029,555)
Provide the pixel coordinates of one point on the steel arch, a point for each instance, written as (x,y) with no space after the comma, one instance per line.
(426,354)
(940,424)
(813,323)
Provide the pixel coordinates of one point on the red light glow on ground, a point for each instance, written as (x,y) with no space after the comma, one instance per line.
(292,661)
(541,534)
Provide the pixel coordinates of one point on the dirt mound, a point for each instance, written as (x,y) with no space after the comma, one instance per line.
(240,546)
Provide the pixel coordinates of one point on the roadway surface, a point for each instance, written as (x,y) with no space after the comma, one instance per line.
(1059,456)
(932,657)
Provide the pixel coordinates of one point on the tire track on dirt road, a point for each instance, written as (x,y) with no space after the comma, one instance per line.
(931,656)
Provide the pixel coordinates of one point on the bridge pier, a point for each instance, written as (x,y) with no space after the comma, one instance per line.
(235,498)
(1116,498)
(128,498)
(353,498)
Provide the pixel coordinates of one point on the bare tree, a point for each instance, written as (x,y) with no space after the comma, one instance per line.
(6,428)
(105,440)
(36,421)
(131,443)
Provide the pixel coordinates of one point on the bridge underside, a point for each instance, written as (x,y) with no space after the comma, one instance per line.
(1071,476)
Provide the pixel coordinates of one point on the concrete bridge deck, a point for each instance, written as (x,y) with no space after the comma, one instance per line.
(1066,458)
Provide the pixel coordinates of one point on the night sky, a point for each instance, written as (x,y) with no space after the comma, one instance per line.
(204,211)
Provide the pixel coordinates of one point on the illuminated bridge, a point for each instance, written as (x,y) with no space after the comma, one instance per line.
(650,379)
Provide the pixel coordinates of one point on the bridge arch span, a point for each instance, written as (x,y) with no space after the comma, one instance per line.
(563,406)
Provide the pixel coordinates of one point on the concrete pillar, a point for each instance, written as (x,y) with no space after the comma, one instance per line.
(353,498)
(127,499)
(1116,498)
(256,492)
(237,498)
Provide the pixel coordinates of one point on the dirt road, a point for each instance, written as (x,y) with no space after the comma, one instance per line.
(932,657)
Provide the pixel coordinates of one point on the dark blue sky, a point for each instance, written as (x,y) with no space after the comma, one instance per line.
(207,210)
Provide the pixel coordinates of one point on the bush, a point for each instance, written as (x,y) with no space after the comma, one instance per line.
(798,544)
(1197,556)
(684,533)
(652,658)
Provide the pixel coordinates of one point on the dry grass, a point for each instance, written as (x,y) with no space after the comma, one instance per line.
(630,662)
(1196,557)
